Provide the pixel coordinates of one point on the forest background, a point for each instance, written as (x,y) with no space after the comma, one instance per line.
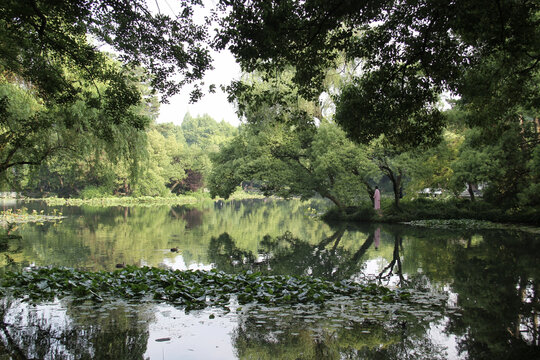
(349,100)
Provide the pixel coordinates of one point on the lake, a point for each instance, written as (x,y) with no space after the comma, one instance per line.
(475,292)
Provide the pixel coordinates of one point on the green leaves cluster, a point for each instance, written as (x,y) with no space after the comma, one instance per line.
(193,289)
(160,161)
(289,160)
(61,95)
(42,38)
(405,54)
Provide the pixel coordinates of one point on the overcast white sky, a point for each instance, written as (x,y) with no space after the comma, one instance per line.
(225,70)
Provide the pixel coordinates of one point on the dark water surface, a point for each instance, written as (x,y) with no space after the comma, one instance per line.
(476,291)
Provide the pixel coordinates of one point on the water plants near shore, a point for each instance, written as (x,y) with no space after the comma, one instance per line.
(187,199)
(21,215)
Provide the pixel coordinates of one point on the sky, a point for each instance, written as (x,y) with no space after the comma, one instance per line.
(225,70)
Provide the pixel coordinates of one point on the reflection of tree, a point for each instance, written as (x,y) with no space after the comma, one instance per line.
(293,337)
(395,264)
(497,286)
(118,333)
(226,256)
(289,255)
(10,246)
(192,216)
(100,237)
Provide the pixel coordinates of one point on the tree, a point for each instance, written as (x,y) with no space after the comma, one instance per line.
(293,162)
(473,166)
(391,162)
(432,167)
(406,54)
(40,37)
(50,51)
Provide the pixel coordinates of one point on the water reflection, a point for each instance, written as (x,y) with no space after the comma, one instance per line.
(492,275)
(290,255)
(71,330)
(488,278)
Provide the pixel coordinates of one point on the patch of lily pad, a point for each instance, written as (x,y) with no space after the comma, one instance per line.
(192,288)
(456,224)
(470,224)
(21,216)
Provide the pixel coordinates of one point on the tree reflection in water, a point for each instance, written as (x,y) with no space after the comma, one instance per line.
(497,285)
(495,282)
(73,331)
(492,275)
(289,255)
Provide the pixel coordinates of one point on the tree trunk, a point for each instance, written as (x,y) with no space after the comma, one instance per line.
(396,181)
(396,184)
(471,191)
(332,199)
(175,185)
(370,191)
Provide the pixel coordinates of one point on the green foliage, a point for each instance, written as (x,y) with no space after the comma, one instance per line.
(531,194)
(410,121)
(404,54)
(92,192)
(84,101)
(291,161)
(435,209)
(157,162)
(193,289)
(40,38)
(505,165)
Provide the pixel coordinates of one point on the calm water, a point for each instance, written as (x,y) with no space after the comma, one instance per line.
(478,291)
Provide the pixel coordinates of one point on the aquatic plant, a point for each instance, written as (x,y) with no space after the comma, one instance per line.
(190,198)
(192,289)
(22,215)
(470,224)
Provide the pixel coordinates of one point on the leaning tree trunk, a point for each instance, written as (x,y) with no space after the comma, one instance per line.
(370,191)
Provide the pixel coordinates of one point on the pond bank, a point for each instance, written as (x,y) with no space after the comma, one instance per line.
(428,209)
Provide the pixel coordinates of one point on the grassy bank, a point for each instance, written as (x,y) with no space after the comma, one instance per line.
(431,209)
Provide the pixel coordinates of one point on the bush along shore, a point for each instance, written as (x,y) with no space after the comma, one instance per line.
(412,211)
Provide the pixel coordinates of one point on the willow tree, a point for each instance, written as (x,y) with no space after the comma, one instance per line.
(50,50)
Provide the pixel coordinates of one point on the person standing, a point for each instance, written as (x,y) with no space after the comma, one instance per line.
(377,199)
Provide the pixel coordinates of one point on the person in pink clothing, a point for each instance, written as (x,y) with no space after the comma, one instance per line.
(377,198)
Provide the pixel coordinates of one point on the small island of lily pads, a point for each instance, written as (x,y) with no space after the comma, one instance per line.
(22,216)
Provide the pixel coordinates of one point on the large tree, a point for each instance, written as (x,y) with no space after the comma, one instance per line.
(288,161)
(50,51)
(406,54)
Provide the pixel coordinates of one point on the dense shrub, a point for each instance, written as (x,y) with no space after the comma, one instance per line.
(425,209)
(93,192)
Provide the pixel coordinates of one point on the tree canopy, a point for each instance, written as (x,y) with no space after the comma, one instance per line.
(406,53)
(60,90)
